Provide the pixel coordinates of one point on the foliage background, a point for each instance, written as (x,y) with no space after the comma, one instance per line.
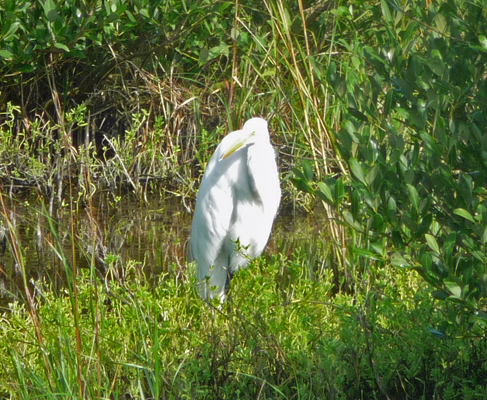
(378,110)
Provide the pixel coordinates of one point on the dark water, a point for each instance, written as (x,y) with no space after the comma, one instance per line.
(150,237)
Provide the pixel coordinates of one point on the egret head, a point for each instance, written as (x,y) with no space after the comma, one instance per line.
(254,129)
(257,126)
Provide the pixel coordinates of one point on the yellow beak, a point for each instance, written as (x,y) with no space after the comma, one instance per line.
(237,145)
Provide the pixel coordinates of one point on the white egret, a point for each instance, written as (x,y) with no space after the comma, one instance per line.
(236,206)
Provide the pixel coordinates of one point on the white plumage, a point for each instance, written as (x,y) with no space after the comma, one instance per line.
(237,202)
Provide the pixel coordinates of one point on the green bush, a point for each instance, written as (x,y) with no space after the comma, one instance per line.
(278,339)
(413,97)
(98,35)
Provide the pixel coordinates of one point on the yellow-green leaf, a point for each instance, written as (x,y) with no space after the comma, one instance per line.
(464,214)
(432,243)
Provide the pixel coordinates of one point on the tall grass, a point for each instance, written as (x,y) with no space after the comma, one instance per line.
(339,323)
(286,334)
(145,133)
(157,135)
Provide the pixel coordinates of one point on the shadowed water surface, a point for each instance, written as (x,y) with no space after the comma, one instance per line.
(149,236)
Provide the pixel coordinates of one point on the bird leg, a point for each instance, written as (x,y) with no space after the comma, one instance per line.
(227,285)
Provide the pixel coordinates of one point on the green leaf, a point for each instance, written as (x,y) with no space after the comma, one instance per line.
(61,46)
(341,11)
(371,175)
(9,29)
(430,142)
(479,255)
(357,114)
(204,54)
(440,22)
(437,333)
(348,217)
(24,68)
(436,63)
(367,254)
(388,102)
(425,225)
(5,54)
(317,67)
(302,185)
(432,243)
(220,50)
(130,16)
(464,214)
(337,83)
(483,41)
(482,315)
(331,73)
(391,206)
(396,238)
(426,261)
(454,288)
(398,260)
(439,294)
(378,249)
(385,11)
(341,87)
(308,171)
(260,41)
(112,17)
(50,10)
(49,6)
(324,192)
(145,12)
(413,197)
(357,170)
(339,191)
(484,236)
(449,244)
(355,204)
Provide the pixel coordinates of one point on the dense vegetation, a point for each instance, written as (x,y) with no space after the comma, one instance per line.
(379,111)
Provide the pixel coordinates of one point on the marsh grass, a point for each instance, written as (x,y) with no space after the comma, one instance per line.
(337,322)
(287,333)
(151,129)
